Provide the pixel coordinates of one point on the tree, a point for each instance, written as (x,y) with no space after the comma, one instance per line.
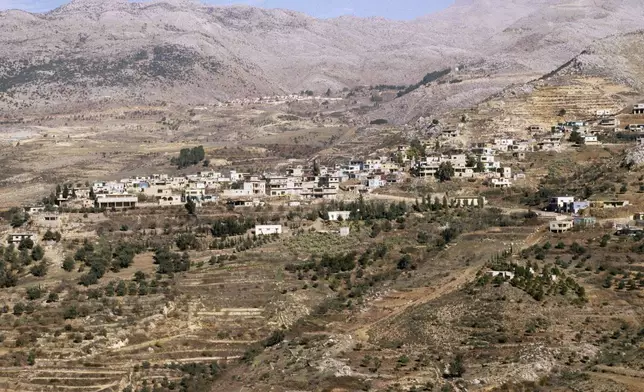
(562,112)
(404,263)
(575,137)
(26,243)
(65,191)
(34,292)
(39,269)
(445,172)
(186,241)
(31,358)
(51,236)
(189,157)
(121,289)
(139,276)
(18,309)
(191,206)
(480,167)
(69,264)
(18,218)
(37,253)
(456,366)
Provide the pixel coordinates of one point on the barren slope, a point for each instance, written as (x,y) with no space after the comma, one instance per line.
(182,51)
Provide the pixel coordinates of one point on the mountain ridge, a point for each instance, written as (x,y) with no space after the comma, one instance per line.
(188,52)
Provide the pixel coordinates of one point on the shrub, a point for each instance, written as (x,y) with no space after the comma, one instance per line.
(18,309)
(34,292)
(39,269)
(69,264)
(456,366)
(53,297)
(37,253)
(275,338)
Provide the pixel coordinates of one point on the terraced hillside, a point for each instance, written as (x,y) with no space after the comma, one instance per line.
(103,339)
(544,103)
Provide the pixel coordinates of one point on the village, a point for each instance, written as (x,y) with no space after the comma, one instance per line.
(435,158)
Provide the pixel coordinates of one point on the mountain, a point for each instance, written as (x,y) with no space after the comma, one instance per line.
(532,39)
(187,52)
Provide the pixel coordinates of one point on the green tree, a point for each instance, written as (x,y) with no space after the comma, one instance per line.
(18,309)
(575,137)
(37,253)
(31,358)
(39,269)
(69,264)
(26,243)
(18,218)
(121,289)
(52,297)
(34,292)
(191,206)
(24,258)
(445,172)
(456,366)
(404,263)
(480,167)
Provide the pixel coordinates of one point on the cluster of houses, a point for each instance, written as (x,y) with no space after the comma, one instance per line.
(568,205)
(277,100)
(479,161)
(238,189)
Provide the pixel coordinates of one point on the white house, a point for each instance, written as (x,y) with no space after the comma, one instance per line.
(344,231)
(468,201)
(561,226)
(561,202)
(503,274)
(336,215)
(171,200)
(501,183)
(16,238)
(591,140)
(268,229)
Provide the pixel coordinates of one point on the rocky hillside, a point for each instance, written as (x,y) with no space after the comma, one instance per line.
(619,58)
(185,51)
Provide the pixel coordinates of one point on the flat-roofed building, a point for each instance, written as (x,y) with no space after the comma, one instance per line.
(116,201)
(268,229)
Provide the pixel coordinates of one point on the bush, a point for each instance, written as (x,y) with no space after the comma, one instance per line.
(275,338)
(456,366)
(18,309)
(70,313)
(404,263)
(26,243)
(186,241)
(69,264)
(34,292)
(39,269)
(189,157)
(37,253)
